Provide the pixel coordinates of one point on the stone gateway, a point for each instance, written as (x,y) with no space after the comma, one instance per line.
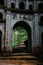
(21,25)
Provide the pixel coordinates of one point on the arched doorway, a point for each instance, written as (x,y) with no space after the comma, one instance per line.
(1,2)
(21,5)
(42,38)
(12,5)
(22,33)
(41,21)
(40,6)
(30,7)
(0,39)
(1,16)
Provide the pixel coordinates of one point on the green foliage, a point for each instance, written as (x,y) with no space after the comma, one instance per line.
(19,35)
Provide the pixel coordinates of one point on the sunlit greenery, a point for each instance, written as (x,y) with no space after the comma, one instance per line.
(19,35)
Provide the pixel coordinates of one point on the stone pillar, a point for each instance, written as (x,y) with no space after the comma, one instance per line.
(5,2)
(36,32)
(35,5)
(8,29)
(17,6)
(34,37)
(2,30)
(26,4)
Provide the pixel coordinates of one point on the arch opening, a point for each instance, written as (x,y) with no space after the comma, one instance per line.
(1,2)
(40,6)
(22,33)
(21,5)
(0,40)
(1,16)
(41,21)
(42,38)
(30,7)
(12,5)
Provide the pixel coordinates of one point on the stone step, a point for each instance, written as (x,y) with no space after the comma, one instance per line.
(19,59)
(20,56)
(19,62)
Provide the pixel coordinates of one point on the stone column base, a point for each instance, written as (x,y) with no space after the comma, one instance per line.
(8,49)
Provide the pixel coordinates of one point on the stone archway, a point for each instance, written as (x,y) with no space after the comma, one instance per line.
(1,16)
(12,5)
(30,7)
(28,41)
(1,2)
(41,20)
(40,6)
(0,39)
(42,38)
(21,5)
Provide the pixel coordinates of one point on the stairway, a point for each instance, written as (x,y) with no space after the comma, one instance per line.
(19,59)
